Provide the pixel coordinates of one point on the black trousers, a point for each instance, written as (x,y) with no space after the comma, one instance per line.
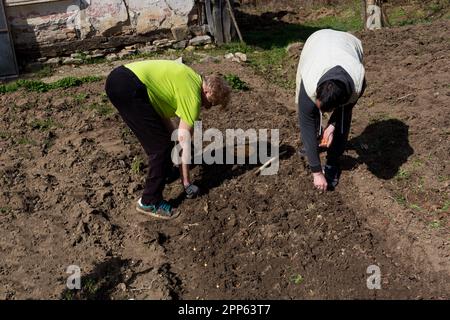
(129,95)
(340,136)
(309,119)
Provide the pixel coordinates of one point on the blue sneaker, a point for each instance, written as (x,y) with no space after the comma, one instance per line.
(162,210)
(332,174)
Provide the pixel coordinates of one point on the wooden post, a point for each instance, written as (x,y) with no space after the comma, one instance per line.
(364,13)
(221,20)
(209,18)
(374,15)
(217,16)
(226,20)
(230,9)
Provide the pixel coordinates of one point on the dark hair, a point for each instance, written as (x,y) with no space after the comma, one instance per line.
(331,94)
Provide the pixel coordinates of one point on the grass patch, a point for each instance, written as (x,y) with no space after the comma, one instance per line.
(402,174)
(446,206)
(415,207)
(270,64)
(4,210)
(45,71)
(236,83)
(296,279)
(9,87)
(25,141)
(89,291)
(409,15)
(435,224)
(137,165)
(400,199)
(4,135)
(347,20)
(42,124)
(80,97)
(417,163)
(103,109)
(90,288)
(40,86)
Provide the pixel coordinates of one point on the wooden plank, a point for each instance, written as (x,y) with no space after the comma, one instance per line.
(8,62)
(209,17)
(201,13)
(226,21)
(217,13)
(230,8)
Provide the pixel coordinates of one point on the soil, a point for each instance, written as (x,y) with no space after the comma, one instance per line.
(68,194)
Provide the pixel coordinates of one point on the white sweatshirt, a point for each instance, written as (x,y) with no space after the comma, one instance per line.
(324,50)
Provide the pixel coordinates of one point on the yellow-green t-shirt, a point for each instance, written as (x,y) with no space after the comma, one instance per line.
(174,89)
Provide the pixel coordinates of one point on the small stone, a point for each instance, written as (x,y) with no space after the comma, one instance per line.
(112,57)
(179,60)
(200,40)
(190,48)
(209,47)
(53,61)
(148,49)
(74,61)
(41,60)
(165,45)
(180,44)
(229,56)
(241,56)
(122,287)
(76,55)
(126,53)
(180,33)
(98,51)
(97,56)
(160,42)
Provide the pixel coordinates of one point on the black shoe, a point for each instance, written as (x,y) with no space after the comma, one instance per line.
(332,174)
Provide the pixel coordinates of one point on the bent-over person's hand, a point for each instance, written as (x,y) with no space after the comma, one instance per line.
(320,183)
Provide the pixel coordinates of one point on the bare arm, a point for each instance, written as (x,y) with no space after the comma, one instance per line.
(185,132)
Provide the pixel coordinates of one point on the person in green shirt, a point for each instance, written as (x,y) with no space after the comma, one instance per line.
(147,95)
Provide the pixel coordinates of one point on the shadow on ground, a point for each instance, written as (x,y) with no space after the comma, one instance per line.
(100,283)
(267,31)
(383,146)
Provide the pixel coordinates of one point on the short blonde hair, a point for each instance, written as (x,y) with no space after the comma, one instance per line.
(220,90)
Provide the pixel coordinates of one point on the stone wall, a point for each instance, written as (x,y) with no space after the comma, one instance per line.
(59,27)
